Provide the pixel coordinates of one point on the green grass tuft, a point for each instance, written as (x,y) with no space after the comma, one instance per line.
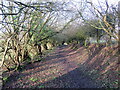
(33,79)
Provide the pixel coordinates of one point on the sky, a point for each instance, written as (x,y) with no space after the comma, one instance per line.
(114,2)
(95,1)
(109,1)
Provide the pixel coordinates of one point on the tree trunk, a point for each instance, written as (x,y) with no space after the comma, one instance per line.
(39,49)
(45,46)
(98,38)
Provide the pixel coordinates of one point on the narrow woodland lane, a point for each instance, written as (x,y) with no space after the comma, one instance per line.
(59,44)
(59,70)
(72,77)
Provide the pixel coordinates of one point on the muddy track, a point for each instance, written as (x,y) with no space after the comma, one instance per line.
(59,70)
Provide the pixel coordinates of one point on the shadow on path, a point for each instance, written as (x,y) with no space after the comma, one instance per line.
(58,71)
(73,79)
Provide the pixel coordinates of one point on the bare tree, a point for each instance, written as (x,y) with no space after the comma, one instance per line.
(106,18)
(23,30)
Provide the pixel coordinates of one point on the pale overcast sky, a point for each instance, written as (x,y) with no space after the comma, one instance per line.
(110,1)
(114,2)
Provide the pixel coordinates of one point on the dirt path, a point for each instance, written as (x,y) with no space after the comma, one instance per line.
(1,79)
(59,70)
